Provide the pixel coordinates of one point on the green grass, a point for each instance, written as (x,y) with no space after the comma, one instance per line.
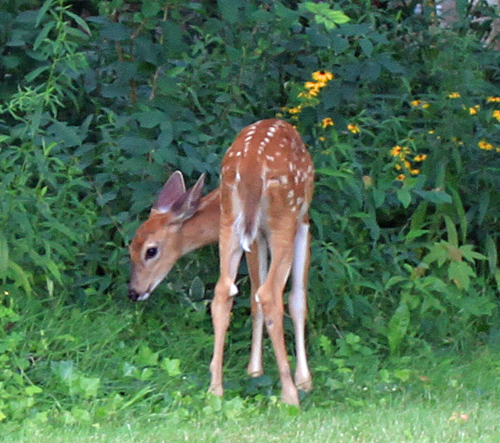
(138,373)
(418,420)
(444,400)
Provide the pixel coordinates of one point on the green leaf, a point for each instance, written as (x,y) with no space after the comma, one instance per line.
(366,46)
(460,273)
(197,289)
(33,390)
(437,197)
(88,387)
(232,10)
(4,256)
(20,277)
(43,10)
(36,72)
(43,34)
(451,231)
(150,119)
(404,196)
(398,326)
(146,357)
(172,366)
(80,21)
(416,233)
(150,8)
(491,253)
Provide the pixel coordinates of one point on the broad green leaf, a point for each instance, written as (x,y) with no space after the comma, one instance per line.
(451,230)
(436,197)
(460,273)
(197,289)
(33,390)
(171,366)
(398,326)
(232,10)
(150,8)
(88,386)
(404,196)
(366,46)
(146,357)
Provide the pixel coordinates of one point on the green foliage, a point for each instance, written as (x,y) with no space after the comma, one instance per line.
(402,118)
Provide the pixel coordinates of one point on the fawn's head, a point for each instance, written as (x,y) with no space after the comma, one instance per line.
(156,245)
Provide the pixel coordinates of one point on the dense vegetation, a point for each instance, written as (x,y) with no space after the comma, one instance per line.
(102,100)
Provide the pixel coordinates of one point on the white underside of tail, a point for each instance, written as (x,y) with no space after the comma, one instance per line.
(247,238)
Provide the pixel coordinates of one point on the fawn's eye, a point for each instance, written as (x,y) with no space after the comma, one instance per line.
(151,253)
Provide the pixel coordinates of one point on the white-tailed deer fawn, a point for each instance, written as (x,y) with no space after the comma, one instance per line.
(261,206)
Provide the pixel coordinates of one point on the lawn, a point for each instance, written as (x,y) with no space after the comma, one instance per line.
(457,402)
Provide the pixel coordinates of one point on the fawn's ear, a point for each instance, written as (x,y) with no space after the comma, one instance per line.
(187,204)
(171,192)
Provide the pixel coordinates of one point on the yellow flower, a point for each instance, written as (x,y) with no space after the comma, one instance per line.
(454,95)
(493,99)
(354,128)
(327,122)
(295,110)
(414,171)
(322,76)
(496,114)
(312,88)
(484,145)
(307,94)
(398,167)
(419,103)
(322,139)
(473,110)
(401,177)
(407,164)
(396,150)
(420,157)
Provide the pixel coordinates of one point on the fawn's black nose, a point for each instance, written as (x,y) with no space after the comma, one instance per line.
(133,295)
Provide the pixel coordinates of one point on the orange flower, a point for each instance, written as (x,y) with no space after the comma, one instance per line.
(473,109)
(354,128)
(420,157)
(396,150)
(485,146)
(327,122)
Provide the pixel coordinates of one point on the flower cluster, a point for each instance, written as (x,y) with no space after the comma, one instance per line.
(405,162)
(419,104)
(308,96)
(475,110)
(483,144)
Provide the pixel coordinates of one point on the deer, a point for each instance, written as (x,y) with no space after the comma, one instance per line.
(261,210)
